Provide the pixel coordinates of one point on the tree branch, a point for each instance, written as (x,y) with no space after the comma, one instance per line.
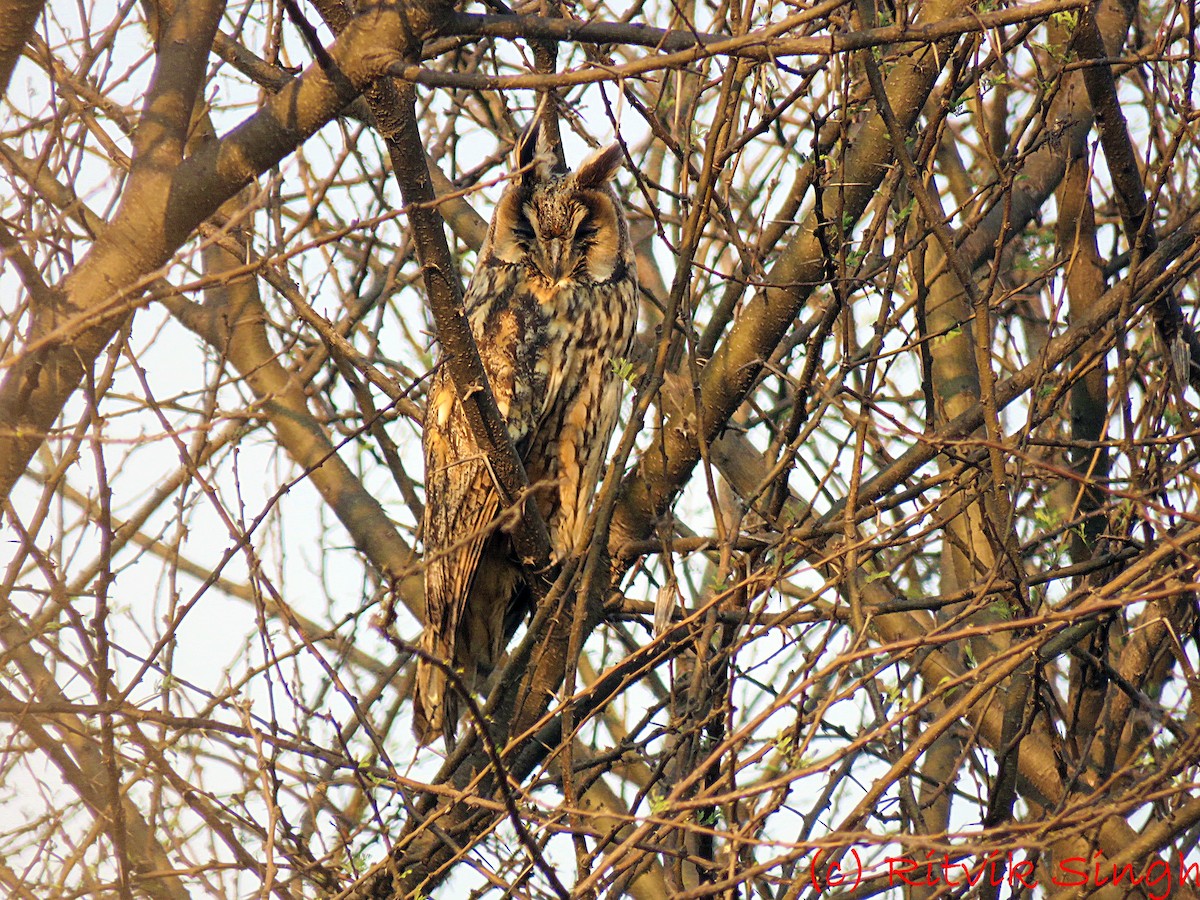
(763,44)
(17,21)
(150,225)
(1180,339)
(734,368)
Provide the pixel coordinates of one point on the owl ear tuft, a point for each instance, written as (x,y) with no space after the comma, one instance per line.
(532,159)
(599,167)
(526,148)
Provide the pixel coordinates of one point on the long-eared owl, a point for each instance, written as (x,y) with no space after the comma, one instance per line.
(552,306)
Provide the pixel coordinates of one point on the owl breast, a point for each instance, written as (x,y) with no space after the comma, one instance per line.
(580,329)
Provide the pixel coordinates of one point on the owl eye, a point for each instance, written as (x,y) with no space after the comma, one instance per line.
(587,231)
(523,231)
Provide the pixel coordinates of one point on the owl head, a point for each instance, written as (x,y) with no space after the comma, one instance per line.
(561,226)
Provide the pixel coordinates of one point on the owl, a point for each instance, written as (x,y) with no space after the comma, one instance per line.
(553,308)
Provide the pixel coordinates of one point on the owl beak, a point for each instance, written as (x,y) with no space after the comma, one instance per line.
(556,258)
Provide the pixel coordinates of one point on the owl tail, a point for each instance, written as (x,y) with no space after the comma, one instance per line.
(428,702)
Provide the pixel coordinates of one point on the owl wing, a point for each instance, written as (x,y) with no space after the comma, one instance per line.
(462,503)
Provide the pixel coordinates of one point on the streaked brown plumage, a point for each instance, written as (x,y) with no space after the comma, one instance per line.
(552,306)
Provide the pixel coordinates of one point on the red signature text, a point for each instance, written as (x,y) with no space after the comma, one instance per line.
(1157,878)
